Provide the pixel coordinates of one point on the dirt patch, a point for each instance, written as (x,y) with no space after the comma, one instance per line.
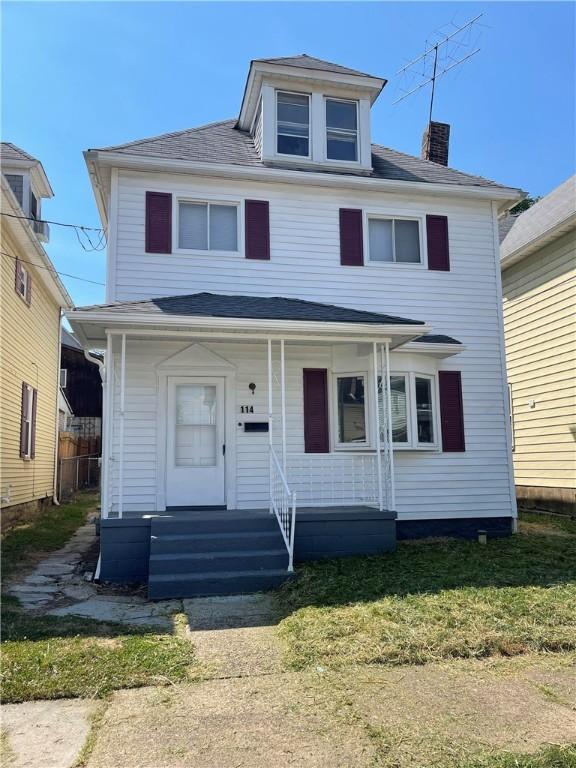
(280,720)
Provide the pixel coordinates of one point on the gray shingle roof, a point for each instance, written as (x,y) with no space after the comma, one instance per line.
(69,340)
(437,338)
(310,62)
(223,143)
(9,151)
(505,224)
(253,307)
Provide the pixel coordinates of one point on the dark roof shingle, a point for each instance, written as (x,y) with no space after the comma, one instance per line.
(250,307)
(223,143)
(311,62)
(9,151)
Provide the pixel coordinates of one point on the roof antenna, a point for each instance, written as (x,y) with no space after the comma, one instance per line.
(443,53)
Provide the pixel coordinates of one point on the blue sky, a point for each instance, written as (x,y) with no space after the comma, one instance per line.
(79,75)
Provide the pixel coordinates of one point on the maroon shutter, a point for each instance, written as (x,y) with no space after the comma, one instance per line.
(316,433)
(451,411)
(158,222)
(438,248)
(257,229)
(17,276)
(33,424)
(29,289)
(23,426)
(351,242)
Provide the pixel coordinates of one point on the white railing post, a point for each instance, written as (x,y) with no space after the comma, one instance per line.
(107,429)
(377,409)
(283,403)
(389,419)
(121,442)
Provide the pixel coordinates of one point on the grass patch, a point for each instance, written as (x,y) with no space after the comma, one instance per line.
(22,545)
(58,657)
(549,757)
(435,600)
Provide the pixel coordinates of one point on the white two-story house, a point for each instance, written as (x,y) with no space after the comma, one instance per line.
(303,334)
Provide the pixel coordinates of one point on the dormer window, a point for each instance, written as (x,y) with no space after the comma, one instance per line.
(293,124)
(341,130)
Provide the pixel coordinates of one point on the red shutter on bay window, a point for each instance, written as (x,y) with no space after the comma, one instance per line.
(316,430)
(257,229)
(438,247)
(351,240)
(158,222)
(451,411)
(33,424)
(23,423)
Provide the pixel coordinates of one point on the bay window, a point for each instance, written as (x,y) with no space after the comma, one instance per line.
(413,407)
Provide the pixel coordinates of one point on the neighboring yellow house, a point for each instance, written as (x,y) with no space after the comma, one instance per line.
(32,297)
(538,258)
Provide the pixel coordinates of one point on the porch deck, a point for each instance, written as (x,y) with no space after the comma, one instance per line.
(189,552)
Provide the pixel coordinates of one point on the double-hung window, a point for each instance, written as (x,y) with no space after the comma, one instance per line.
(207,226)
(351,410)
(23,282)
(392,240)
(412,402)
(341,130)
(292,124)
(28,422)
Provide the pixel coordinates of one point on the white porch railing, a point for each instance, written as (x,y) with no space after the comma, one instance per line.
(335,479)
(283,505)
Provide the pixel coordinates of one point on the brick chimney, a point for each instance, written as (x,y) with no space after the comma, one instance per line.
(435,142)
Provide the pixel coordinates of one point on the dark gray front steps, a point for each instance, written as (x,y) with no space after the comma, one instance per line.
(215,554)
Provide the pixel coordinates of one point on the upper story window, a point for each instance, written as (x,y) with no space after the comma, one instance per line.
(207,226)
(23,282)
(16,182)
(341,130)
(394,240)
(292,124)
(33,205)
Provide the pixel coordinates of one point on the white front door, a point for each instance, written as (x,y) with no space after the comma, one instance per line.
(195,442)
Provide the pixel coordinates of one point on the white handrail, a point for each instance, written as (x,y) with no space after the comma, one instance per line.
(283,504)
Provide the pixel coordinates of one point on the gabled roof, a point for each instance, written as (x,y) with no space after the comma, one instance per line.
(253,307)
(547,219)
(223,143)
(310,62)
(9,151)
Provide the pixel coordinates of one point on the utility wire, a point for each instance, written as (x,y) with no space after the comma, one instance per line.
(82,233)
(56,223)
(51,269)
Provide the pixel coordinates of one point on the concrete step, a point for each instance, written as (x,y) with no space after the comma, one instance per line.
(204,584)
(192,543)
(219,523)
(213,562)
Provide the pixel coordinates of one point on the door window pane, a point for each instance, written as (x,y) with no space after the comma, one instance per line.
(293,120)
(407,240)
(351,410)
(223,226)
(380,240)
(195,429)
(193,226)
(424,420)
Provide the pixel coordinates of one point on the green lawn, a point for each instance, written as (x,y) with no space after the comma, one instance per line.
(56,657)
(22,545)
(435,600)
(550,757)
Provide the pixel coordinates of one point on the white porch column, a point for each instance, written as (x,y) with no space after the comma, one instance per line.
(377,420)
(283,403)
(107,427)
(121,441)
(389,421)
(270,419)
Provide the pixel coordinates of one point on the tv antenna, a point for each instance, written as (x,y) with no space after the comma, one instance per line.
(424,70)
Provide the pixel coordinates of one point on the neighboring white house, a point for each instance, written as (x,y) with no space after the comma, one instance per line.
(301,321)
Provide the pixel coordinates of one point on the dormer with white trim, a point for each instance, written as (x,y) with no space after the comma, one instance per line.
(302,112)
(29,184)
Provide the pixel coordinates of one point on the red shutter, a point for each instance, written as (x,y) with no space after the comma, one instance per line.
(257,229)
(158,222)
(28,289)
(438,248)
(316,431)
(451,411)
(23,425)
(17,276)
(351,240)
(33,424)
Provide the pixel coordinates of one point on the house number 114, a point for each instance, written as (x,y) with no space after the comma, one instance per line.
(246,409)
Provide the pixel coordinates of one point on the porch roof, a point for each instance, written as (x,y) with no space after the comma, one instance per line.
(270,315)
